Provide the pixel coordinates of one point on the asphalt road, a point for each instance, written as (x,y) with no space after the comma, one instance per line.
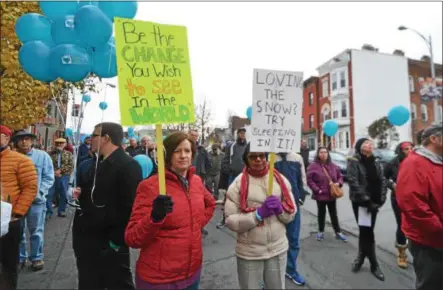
(326,264)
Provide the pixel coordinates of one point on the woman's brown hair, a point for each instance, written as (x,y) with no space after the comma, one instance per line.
(172,141)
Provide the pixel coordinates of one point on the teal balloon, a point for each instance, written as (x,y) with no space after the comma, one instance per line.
(63,31)
(56,9)
(70,62)
(103,106)
(145,163)
(68,132)
(130,130)
(34,57)
(399,115)
(249,113)
(33,26)
(84,3)
(104,63)
(86,98)
(330,128)
(92,26)
(122,9)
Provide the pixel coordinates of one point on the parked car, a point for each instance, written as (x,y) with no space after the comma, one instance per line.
(384,155)
(338,158)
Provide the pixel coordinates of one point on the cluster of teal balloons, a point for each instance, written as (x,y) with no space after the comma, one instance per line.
(71,40)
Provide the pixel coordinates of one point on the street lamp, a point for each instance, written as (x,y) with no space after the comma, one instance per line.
(428,42)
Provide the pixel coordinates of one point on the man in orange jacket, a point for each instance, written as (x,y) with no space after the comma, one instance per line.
(19,187)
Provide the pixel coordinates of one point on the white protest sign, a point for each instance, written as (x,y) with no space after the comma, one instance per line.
(276,111)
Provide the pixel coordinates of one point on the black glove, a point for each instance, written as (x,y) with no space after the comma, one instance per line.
(373,207)
(161,206)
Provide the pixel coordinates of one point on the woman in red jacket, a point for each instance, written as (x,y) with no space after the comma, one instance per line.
(167,228)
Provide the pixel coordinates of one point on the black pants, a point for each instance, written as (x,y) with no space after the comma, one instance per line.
(400,236)
(428,266)
(321,217)
(9,256)
(98,265)
(366,237)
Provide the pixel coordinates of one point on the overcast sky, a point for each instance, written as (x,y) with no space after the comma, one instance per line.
(227,40)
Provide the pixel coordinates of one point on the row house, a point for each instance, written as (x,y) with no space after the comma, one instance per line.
(357,87)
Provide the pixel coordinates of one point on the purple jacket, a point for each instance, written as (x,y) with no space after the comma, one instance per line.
(318,182)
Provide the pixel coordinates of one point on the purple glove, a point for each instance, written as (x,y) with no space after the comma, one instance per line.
(271,206)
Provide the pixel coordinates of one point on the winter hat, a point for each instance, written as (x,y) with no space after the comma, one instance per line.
(359,143)
(5,130)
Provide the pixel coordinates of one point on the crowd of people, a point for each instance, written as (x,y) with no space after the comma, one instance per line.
(117,209)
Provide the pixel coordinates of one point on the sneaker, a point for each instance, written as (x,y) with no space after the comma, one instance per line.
(62,214)
(296,278)
(320,236)
(221,224)
(341,237)
(37,265)
(23,265)
(204,232)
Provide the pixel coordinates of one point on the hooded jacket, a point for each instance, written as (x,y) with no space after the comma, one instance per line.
(393,166)
(291,166)
(419,196)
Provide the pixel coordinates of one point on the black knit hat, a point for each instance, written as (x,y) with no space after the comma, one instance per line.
(359,143)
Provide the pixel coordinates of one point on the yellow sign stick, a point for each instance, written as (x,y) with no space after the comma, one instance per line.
(271,173)
(160,159)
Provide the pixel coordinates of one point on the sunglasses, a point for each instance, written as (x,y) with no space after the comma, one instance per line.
(254,156)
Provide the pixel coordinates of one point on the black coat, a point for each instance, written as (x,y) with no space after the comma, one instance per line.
(116,183)
(358,181)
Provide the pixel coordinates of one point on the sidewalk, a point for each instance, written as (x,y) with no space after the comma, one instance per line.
(326,265)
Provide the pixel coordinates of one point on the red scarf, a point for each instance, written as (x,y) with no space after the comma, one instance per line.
(287,203)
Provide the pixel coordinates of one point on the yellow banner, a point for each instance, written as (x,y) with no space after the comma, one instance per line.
(154,74)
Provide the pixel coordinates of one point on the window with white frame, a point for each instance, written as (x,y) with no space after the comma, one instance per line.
(325,88)
(334,81)
(340,140)
(344,109)
(335,111)
(424,112)
(342,79)
(311,99)
(311,143)
(311,121)
(440,114)
(413,111)
(348,140)
(325,113)
(411,84)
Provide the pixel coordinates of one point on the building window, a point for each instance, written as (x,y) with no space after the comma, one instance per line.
(440,114)
(311,121)
(344,111)
(413,111)
(335,111)
(325,88)
(325,114)
(348,140)
(411,84)
(342,79)
(424,113)
(311,99)
(340,140)
(334,81)
(311,143)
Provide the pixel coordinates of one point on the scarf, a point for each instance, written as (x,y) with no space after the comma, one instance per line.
(288,205)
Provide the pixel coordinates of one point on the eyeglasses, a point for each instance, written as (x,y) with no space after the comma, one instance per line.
(254,156)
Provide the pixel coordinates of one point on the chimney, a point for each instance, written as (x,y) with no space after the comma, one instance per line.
(399,52)
(425,58)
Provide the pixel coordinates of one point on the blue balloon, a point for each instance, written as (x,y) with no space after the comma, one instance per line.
(399,115)
(130,130)
(249,113)
(56,9)
(70,62)
(103,105)
(68,132)
(92,26)
(34,57)
(145,163)
(84,3)
(104,63)
(33,26)
(63,31)
(330,127)
(86,98)
(82,138)
(123,9)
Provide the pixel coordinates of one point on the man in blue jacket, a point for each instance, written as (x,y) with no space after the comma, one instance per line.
(292,167)
(34,220)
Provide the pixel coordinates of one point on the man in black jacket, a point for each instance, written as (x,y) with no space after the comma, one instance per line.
(107,191)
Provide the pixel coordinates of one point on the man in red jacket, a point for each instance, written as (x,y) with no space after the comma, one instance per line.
(419,195)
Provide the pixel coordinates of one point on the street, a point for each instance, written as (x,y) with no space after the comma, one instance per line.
(326,264)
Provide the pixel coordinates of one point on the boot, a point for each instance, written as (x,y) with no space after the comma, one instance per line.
(402,259)
(358,262)
(375,267)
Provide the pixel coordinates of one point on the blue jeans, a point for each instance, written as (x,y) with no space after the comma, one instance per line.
(293,235)
(61,187)
(35,222)
(194,286)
